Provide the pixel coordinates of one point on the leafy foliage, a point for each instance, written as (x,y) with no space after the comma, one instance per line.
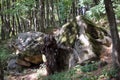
(4,54)
(83,3)
(97,11)
(117,11)
(112,73)
(89,67)
(64,9)
(21,7)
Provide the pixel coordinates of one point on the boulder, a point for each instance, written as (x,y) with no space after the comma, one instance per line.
(85,38)
(13,66)
(76,42)
(28,47)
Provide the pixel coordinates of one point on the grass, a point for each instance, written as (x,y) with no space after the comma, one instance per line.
(86,72)
(4,53)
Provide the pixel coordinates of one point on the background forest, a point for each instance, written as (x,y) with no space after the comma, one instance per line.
(38,15)
(18,16)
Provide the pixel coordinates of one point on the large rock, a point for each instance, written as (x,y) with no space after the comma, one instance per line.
(77,41)
(28,47)
(86,39)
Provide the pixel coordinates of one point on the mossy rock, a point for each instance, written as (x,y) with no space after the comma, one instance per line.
(86,38)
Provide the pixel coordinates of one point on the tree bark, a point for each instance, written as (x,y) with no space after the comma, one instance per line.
(52,13)
(114,33)
(2,20)
(18,24)
(47,13)
(42,15)
(1,71)
(7,21)
(73,9)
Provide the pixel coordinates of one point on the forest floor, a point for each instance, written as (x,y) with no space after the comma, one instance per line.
(93,71)
(96,70)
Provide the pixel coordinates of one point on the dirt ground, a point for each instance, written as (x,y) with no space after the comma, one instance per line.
(34,74)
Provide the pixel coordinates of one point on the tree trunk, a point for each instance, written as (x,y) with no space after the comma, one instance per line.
(13,25)
(58,14)
(2,20)
(42,15)
(19,24)
(7,21)
(47,13)
(52,13)
(1,71)
(73,9)
(114,33)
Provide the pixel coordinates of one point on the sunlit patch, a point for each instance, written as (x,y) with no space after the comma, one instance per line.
(84,40)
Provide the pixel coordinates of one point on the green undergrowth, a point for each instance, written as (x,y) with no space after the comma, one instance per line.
(4,53)
(86,72)
(118,27)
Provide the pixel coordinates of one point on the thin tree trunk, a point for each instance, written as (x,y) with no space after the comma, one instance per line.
(30,20)
(18,22)
(7,19)
(13,21)
(3,22)
(37,20)
(42,15)
(47,13)
(73,9)
(13,25)
(1,71)
(58,14)
(52,13)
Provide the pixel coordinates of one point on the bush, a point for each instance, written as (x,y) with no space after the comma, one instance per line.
(4,54)
(89,67)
